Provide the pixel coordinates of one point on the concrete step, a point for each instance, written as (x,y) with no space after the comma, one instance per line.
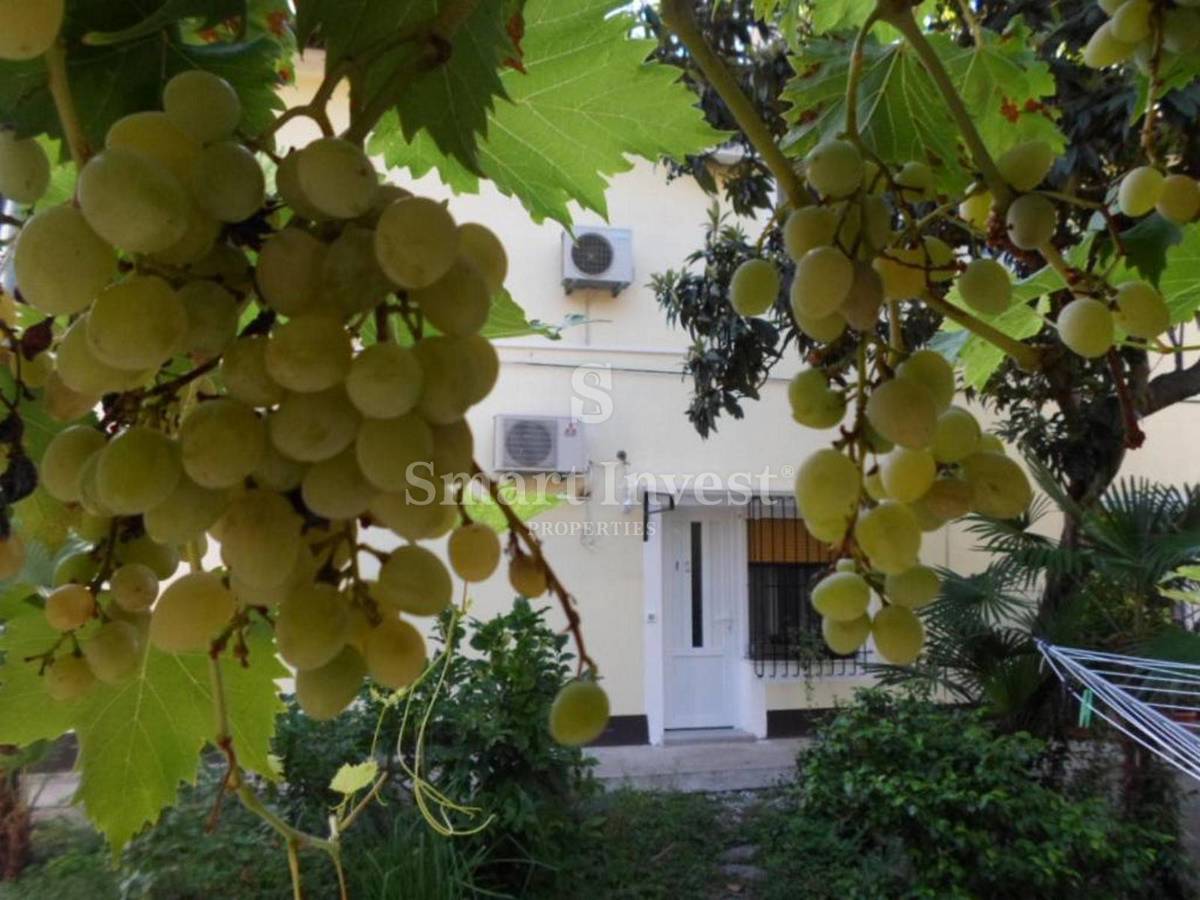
(708,766)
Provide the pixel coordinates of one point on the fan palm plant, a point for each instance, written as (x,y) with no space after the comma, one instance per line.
(1118,587)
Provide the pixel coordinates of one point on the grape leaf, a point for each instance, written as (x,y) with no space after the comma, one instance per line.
(354,777)
(586,101)
(902,115)
(482,508)
(140,740)
(108,82)
(209,11)
(43,519)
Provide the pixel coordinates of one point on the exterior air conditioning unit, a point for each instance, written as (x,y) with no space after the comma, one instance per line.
(540,444)
(600,258)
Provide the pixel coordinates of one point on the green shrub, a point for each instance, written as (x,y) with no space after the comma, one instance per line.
(489,745)
(70,862)
(906,779)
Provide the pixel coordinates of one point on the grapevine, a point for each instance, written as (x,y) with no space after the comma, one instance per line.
(863,236)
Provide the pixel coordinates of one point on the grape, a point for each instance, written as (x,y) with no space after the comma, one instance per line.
(324,692)
(161,559)
(416,242)
(831,530)
(134,587)
(977,207)
(825,329)
(1026,165)
(60,263)
(1141,310)
(453,449)
(916,182)
(212,319)
(413,518)
(309,353)
(986,286)
(312,427)
(479,245)
(226,265)
(1085,325)
(191,613)
(12,556)
(287,183)
(474,551)
(480,364)
(899,635)
(93,529)
(221,442)
(991,443)
(949,498)
(34,372)
(24,169)
(914,589)
(827,486)
(999,488)
(1109,6)
(78,568)
(1180,200)
(395,654)
(351,279)
(860,309)
(198,241)
(835,168)
(1140,191)
(903,272)
(312,625)
(203,105)
(69,678)
(63,461)
(244,371)
(1131,22)
(754,287)
(337,177)
(132,201)
(908,474)
(845,638)
(957,435)
(877,224)
(63,404)
(456,304)
(137,324)
(579,713)
(137,470)
(414,581)
(808,228)
(904,412)
(822,281)
(842,596)
(89,495)
(446,388)
(1031,221)
(873,485)
(1181,31)
(387,448)
(154,136)
(227,182)
(278,473)
(69,607)
(289,271)
(1104,49)
(890,537)
(527,576)
(260,537)
(336,488)
(113,651)
(29,29)
(813,403)
(939,257)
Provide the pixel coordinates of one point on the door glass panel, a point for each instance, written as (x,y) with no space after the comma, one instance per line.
(697,586)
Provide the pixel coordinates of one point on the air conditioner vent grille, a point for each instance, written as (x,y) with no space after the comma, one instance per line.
(531,444)
(592,254)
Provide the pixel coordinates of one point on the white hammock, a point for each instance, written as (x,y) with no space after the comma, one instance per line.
(1151,701)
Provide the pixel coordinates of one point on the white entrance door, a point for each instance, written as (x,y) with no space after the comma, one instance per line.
(700,638)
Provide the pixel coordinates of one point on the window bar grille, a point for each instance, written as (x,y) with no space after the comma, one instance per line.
(785,563)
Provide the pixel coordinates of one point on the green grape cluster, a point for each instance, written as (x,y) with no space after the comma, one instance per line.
(1150,33)
(274,373)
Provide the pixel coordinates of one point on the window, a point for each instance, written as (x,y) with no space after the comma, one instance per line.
(785,563)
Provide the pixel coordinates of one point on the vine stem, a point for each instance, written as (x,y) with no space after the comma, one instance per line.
(1028,358)
(565,600)
(64,104)
(898,14)
(679,16)
(972,21)
(1153,83)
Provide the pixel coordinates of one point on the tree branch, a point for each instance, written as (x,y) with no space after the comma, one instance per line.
(1171,388)
(679,16)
